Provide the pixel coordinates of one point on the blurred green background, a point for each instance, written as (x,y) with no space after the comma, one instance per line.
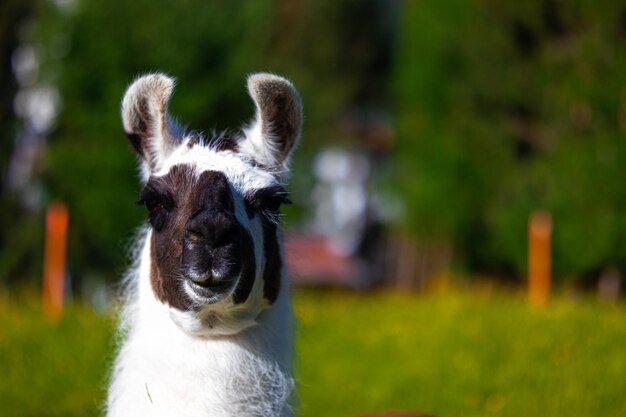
(473,114)
(493,109)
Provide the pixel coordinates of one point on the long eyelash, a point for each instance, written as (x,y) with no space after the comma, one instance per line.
(276,193)
(283,196)
(267,202)
(275,217)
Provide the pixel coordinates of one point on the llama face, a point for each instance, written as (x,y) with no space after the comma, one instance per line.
(213,204)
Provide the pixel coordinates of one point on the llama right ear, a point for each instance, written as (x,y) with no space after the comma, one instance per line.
(275,131)
(146,122)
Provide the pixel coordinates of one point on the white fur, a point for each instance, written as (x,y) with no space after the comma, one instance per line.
(225,359)
(162,370)
(242,175)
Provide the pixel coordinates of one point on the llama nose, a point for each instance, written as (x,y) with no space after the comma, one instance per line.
(195,234)
(210,231)
(200,231)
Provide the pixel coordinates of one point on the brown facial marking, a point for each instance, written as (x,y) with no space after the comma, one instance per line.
(167,244)
(273,262)
(195,229)
(248,272)
(266,203)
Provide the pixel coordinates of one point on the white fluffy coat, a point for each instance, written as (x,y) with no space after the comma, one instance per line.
(161,368)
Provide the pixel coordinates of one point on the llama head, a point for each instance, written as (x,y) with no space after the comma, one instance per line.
(213,203)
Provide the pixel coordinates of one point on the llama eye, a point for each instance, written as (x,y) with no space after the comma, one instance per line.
(158,213)
(154,205)
(158,205)
(267,202)
(270,198)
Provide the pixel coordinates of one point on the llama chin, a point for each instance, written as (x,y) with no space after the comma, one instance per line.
(207,325)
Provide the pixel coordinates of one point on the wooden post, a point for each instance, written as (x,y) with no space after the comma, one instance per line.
(54,259)
(539,258)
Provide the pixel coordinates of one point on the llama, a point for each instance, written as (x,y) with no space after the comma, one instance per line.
(207,325)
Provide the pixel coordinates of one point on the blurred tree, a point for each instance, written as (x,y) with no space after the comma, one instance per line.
(507,107)
(16,231)
(13,15)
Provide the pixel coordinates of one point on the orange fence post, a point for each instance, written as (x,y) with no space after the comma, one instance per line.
(57,219)
(539,258)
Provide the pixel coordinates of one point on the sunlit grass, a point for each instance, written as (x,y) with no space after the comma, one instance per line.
(460,355)
(455,354)
(52,369)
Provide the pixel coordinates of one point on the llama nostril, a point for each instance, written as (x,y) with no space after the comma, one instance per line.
(193,234)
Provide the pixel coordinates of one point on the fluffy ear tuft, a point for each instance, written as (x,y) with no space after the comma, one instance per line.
(276,129)
(145,118)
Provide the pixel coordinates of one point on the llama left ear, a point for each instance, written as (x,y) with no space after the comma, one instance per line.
(146,121)
(275,131)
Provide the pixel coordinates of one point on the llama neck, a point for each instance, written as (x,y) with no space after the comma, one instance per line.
(161,370)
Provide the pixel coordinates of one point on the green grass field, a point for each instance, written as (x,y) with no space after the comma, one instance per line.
(457,354)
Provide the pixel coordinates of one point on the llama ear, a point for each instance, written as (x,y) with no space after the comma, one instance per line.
(275,130)
(146,122)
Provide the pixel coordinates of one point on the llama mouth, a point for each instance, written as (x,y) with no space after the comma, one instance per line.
(209,290)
